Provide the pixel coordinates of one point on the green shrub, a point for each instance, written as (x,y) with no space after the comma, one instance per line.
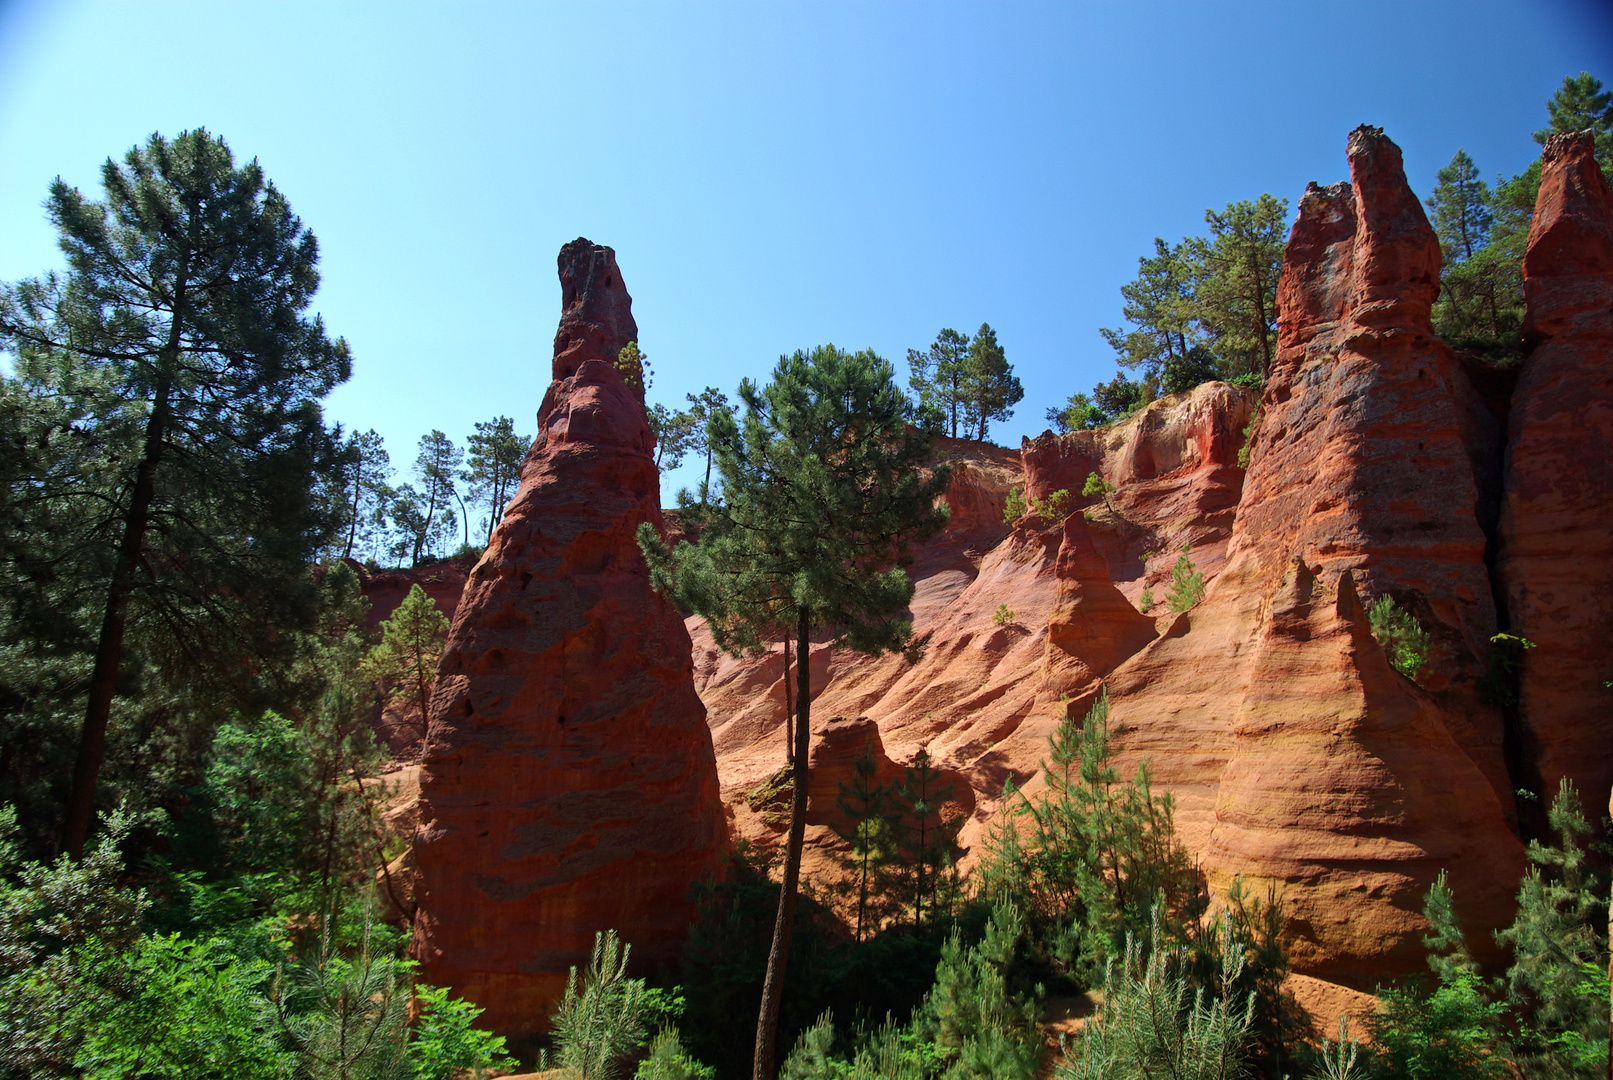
(1002,616)
(602,1018)
(1097,485)
(1187,583)
(1403,639)
(1014,506)
(1249,429)
(1145,601)
(1056,506)
(1154,1023)
(1341,1060)
(668,1060)
(446,1044)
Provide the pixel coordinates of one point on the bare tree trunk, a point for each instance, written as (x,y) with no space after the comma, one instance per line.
(773,987)
(789,710)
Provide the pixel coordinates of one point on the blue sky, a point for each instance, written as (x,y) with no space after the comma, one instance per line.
(772,176)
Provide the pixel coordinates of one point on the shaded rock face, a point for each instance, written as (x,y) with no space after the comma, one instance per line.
(1557,520)
(1297,756)
(1092,627)
(568,783)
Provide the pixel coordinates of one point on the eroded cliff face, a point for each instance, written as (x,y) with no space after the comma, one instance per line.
(568,783)
(1299,757)
(1557,520)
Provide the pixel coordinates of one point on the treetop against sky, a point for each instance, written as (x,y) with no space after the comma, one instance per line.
(772,177)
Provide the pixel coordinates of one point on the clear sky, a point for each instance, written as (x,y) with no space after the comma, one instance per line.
(772,176)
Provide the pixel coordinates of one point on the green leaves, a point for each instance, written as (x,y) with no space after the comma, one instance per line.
(1402,637)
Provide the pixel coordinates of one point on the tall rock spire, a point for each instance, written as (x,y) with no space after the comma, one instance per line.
(569,783)
(1556,561)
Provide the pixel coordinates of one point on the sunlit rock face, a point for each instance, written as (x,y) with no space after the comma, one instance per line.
(568,784)
(1557,515)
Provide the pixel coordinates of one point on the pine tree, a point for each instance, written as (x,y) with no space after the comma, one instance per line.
(823,491)
(928,844)
(1235,296)
(412,642)
(674,435)
(940,377)
(182,308)
(437,467)
(602,1018)
(493,466)
(1582,104)
(1160,304)
(368,494)
(1187,583)
(704,407)
(989,381)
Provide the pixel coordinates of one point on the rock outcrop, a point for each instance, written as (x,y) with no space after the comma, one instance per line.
(1297,755)
(568,783)
(1557,519)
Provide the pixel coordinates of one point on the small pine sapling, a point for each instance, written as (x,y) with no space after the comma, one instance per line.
(1056,506)
(601,1019)
(1002,616)
(1187,583)
(635,368)
(1014,506)
(1097,485)
(1403,639)
(1145,601)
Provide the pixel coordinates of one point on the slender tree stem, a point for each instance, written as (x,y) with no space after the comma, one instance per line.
(784,925)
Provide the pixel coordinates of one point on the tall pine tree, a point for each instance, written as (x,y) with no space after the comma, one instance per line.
(182,306)
(823,490)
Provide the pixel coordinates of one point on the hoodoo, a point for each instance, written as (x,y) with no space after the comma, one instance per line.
(1557,515)
(1298,756)
(569,783)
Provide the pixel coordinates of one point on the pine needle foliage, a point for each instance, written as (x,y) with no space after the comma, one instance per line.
(1155,1024)
(601,1020)
(1404,640)
(345,1019)
(405,663)
(1187,583)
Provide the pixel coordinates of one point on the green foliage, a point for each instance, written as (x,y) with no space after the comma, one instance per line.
(634,367)
(771,797)
(445,1044)
(1154,1022)
(1096,855)
(668,1060)
(602,1018)
(984,1026)
(1206,308)
(1145,602)
(1248,437)
(1580,104)
(366,495)
(174,516)
(674,435)
(1002,616)
(1014,507)
(969,380)
(1558,939)
(344,1018)
(989,380)
(423,516)
(1077,414)
(1056,505)
(1448,1034)
(1187,583)
(405,662)
(1505,664)
(493,457)
(708,405)
(926,845)
(1340,1060)
(1403,639)
(1097,485)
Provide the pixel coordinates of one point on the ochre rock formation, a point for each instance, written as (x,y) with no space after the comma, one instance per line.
(1557,521)
(1092,627)
(444,582)
(568,783)
(1297,756)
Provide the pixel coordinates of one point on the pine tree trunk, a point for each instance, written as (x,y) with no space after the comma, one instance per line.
(109,648)
(773,986)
